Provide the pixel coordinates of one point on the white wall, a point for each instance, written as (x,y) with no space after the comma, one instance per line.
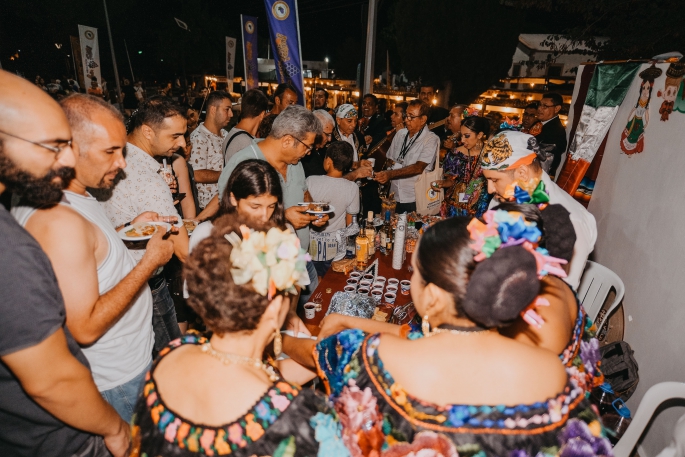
(639,204)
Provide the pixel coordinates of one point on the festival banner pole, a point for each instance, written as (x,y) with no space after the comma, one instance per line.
(133,78)
(248,32)
(285,38)
(230,61)
(90,54)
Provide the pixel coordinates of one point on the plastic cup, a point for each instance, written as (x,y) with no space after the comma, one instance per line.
(377,287)
(393,282)
(392,289)
(377,296)
(381,279)
(355,274)
(309,310)
(368,276)
(390,298)
(363,291)
(405,286)
(352,282)
(365,283)
(351,289)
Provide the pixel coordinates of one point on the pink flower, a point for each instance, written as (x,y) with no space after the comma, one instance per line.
(425,444)
(280,402)
(235,435)
(170,432)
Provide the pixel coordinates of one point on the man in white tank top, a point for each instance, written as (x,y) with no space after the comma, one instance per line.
(108,302)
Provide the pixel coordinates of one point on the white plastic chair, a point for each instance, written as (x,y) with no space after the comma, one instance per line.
(655,396)
(594,288)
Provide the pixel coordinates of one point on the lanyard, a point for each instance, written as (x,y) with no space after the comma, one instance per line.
(406,147)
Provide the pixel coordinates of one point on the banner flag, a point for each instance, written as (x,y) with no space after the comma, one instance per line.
(90,55)
(285,41)
(78,60)
(230,61)
(249,34)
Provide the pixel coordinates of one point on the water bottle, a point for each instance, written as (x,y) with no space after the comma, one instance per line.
(602,397)
(617,421)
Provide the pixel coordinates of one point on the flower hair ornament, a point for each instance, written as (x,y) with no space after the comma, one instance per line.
(511,124)
(532,192)
(501,229)
(271,261)
(470,112)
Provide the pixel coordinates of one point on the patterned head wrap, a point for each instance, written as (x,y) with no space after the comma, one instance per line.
(510,149)
(346,111)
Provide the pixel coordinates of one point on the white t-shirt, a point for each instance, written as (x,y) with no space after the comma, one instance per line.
(339,192)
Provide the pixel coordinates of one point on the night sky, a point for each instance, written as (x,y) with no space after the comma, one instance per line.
(159,50)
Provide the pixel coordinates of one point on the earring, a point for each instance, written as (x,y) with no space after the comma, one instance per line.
(426,326)
(278,343)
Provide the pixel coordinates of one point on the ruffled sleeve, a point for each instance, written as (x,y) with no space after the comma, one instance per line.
(336,359)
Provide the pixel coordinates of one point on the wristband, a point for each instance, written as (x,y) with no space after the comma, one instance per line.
(128,223)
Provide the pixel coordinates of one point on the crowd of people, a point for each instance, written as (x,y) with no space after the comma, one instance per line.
(96,356)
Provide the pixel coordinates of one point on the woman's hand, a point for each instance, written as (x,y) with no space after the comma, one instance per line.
(442,184)
(332,324)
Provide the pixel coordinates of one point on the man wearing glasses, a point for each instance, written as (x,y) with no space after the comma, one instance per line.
(49,404)
(412,150)
(553,132)
(292,137)
(313,163)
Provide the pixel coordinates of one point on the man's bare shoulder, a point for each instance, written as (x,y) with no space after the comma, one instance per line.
(60,221)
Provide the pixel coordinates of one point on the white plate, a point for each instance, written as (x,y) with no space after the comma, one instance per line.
(123,236)
(331,208)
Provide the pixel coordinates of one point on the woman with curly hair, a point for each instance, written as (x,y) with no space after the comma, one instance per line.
(217,396)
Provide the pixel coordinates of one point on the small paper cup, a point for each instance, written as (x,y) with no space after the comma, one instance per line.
(392,289)
(390,298)
(405,286)
(309,310)
(365,283)
(355,274)
(368,276)
(350,289)
(377,296)
(381,279)
(393,281)
(352,282)
(363,291)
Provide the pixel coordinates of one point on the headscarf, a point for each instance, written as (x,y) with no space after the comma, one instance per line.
(346,111)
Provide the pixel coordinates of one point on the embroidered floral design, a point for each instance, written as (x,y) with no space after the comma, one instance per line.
(425,444)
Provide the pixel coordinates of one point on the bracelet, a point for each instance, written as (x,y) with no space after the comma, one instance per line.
(128,223)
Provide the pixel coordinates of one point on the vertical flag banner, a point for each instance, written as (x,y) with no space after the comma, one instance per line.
(230,61)
(285,40)
(78,60)
(90,54)
(249,34)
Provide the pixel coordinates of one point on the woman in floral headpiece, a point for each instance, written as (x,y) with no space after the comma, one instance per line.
(461,388)
(466,190)
(216,396)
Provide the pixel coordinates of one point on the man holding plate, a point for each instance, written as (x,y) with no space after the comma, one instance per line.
(107,299)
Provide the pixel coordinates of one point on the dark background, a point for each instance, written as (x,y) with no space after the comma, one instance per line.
(468,44)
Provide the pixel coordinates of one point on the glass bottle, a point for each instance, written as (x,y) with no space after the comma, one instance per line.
(362,248)
(386,235)
(371,234)
(351,238)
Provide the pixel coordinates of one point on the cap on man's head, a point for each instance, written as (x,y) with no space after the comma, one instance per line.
(508,150)
(346,111)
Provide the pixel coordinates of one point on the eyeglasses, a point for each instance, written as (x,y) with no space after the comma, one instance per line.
(309,148)
(541,105)
(55,149)
(411,117)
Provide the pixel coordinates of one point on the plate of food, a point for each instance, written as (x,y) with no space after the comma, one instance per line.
(141,231)
(320,208)
(190,225)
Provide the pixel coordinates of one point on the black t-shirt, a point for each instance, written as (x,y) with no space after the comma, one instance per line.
(31,310)
(130,100)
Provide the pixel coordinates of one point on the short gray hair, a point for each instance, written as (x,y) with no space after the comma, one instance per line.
(296,121)
(324,117)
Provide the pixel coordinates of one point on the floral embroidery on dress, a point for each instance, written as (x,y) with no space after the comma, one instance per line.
(582,357)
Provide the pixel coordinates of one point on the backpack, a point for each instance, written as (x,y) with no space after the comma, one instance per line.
(620,368)
(231,139)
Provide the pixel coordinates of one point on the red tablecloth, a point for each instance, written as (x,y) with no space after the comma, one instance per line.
(334,282)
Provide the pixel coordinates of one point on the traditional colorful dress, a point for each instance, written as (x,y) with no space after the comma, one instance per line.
(286,421)
(376,414)
(582,357)
(469,181)
(633,136)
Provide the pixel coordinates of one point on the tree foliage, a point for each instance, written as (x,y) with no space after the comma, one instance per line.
(635,28)
(467,44)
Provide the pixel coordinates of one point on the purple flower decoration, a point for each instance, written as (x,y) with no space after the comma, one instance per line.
(518,453)
(577,447)
(575,428)
(589,354)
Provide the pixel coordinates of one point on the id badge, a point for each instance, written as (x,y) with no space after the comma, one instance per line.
(463,197)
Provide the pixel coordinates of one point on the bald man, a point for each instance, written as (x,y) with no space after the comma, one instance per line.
(49,404)
(108,301)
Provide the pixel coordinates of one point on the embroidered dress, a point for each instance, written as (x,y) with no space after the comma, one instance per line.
(285,421)
(376,413)
(458,165)
(582,357)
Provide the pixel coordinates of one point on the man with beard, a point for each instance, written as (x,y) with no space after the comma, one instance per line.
(321,100)
(108,301)
(156,130)
(49,404)
(284,96)
(372,124)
